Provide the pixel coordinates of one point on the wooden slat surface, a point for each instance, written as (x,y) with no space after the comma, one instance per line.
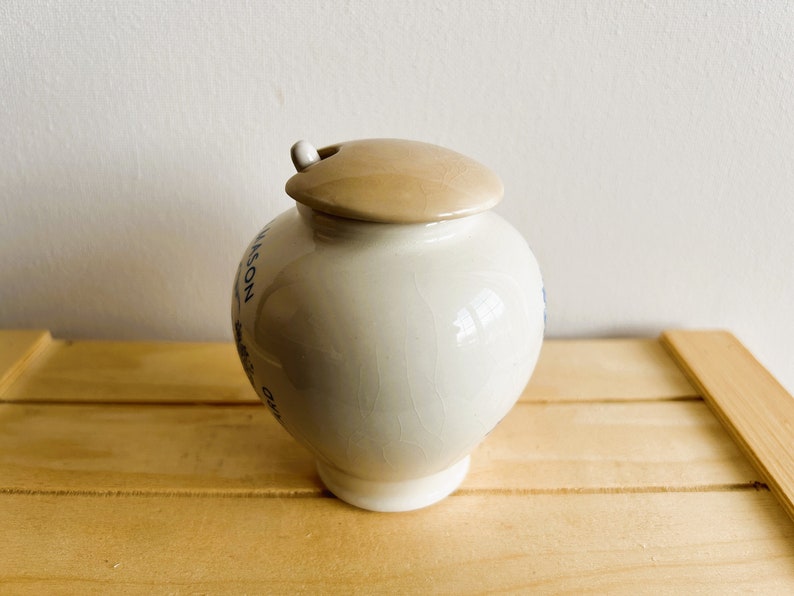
(152,468)
(751,403)
(606,369)
(671,543)
(159,372)
(18,349)
(156,372)
(537,448)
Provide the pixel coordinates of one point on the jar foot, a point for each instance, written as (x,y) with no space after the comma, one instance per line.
(404,495)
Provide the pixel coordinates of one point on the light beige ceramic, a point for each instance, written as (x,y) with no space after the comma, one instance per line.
(390,320)
(392,181)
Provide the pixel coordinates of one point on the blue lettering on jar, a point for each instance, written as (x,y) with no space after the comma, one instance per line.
(271,403)
(250,271)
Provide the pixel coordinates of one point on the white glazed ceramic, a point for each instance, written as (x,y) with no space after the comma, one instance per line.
(389,350)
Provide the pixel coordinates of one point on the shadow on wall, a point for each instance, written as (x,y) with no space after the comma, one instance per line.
(86,254)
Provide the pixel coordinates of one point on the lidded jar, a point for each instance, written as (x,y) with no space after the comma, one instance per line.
(390,320)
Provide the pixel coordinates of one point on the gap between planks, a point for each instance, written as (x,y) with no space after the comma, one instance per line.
(135,404)
(259,404)
(322,493)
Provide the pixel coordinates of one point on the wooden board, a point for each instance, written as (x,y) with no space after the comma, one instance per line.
(667,543)
(753,406)
(156,372)
(161,372)
(18,349)
(606,369)
(198,449)
(151,468)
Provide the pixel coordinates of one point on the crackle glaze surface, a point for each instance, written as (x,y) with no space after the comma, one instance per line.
(390,351)
(395,181)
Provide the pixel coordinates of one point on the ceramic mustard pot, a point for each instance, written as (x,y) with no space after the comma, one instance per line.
(390,320)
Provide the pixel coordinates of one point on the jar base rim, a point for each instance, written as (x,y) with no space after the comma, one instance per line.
(404,495)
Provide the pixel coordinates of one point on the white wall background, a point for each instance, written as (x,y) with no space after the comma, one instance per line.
(647,149)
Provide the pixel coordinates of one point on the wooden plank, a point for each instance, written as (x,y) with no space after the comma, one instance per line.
(753,406)
(153,372)
(606,369)
(672,543)
(18,348)
(647,446)
(675,445)
(158,372)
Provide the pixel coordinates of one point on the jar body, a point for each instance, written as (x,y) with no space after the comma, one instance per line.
(390,351)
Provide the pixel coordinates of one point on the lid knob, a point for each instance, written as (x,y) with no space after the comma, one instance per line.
(303,155)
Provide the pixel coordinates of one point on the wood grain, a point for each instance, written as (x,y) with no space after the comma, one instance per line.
(606,369)
(142,467)
(159,372)
(755,409)
(672,543)
(198,449)
(18,348)
(153,372)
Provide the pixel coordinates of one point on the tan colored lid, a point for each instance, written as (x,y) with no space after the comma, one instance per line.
(391,180)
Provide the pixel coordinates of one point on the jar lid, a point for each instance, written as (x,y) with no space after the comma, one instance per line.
(391,181)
